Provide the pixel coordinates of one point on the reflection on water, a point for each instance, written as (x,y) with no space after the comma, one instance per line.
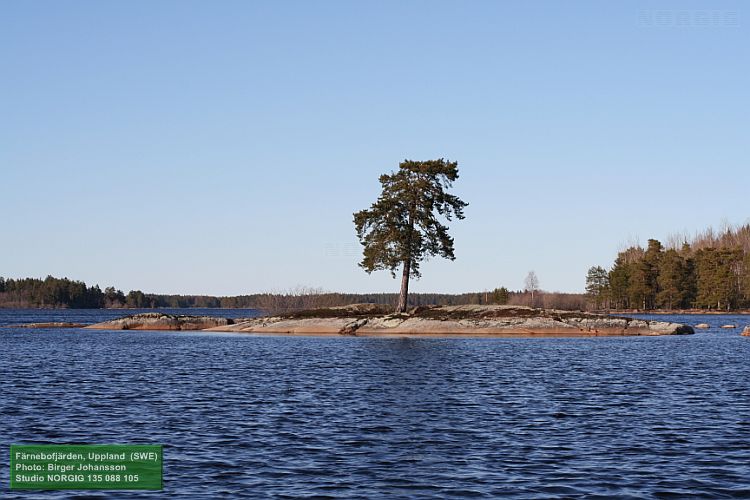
(358,417)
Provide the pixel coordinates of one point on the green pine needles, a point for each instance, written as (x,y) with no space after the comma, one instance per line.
(403,227)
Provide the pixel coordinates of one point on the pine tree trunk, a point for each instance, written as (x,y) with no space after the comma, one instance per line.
(404,295)
(404,288)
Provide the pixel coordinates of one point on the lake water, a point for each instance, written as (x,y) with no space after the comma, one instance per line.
(244,416)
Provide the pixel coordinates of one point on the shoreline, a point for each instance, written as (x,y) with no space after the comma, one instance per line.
(678,312)
(372,320)
(509,334)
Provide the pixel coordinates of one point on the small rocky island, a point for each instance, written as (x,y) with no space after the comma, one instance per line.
(161,321)
(372,320)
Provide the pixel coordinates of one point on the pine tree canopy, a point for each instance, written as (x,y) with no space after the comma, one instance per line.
(404,224)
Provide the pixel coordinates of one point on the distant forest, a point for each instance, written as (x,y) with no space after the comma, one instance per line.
(711,271)
(65,293)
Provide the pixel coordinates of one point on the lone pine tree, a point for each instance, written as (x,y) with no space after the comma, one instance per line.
(401,229)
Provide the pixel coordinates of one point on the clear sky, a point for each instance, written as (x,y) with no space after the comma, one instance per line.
(222,147)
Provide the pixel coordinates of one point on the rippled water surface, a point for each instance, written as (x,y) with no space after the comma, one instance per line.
(254,417)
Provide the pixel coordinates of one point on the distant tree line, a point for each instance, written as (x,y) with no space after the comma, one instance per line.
(709,271)
(65,293)
(61,292)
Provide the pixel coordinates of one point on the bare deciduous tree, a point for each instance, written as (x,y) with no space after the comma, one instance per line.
(532,284)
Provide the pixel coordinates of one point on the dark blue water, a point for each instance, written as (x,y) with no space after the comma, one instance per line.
(289,417)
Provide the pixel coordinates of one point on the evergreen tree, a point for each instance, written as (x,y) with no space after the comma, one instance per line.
(500,295)
(95,297)
(717,278)
(402,228)
(597,285)
(643,285)
(671,279)
(137,299)
(745,280)
(650,268)
(619,283)
(113,298)
(689,283)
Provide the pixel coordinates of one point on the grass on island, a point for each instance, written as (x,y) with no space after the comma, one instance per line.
(440,313)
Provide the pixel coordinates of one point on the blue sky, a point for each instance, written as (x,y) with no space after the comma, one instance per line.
(222,147)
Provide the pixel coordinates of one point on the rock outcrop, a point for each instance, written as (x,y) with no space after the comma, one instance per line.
(425,321)
(468,320)
(159,321)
